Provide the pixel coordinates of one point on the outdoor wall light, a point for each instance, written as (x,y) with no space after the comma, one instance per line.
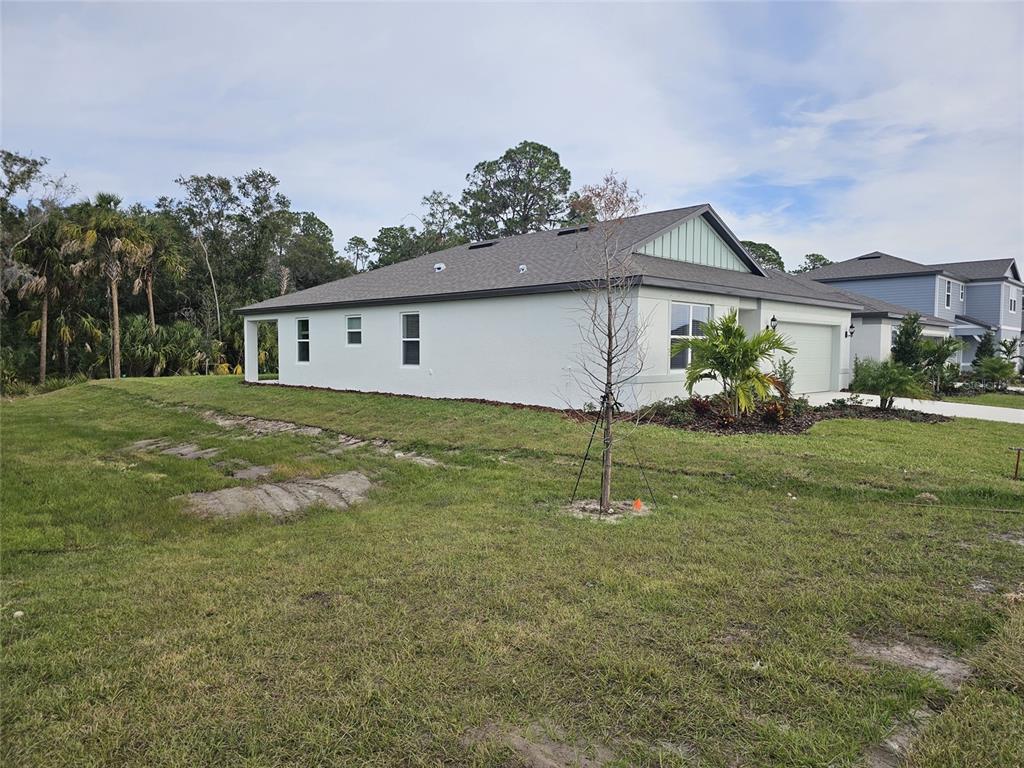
(849,331)
(773,323)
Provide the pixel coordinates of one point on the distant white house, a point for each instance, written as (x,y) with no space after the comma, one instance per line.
(500,320)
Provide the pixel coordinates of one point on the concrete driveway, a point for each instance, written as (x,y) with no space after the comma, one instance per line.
(963,410)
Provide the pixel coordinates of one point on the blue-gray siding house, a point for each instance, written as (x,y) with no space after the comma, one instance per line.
(976,296)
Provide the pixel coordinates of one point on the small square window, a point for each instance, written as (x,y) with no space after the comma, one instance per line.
(302,339)
(354,330)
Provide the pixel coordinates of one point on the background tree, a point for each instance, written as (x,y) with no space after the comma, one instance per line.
(359,252)
(906,342)
(393,245)
(524,190)
(23,176)
(764,254)
(309,253)
(610,354)
(112,241)
(207,211)
(812,261)
(46,254)
(986,348)
(159,252)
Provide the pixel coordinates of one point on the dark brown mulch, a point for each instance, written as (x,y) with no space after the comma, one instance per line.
(792,424)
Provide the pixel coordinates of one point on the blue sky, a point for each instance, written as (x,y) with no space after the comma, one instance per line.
(832,128)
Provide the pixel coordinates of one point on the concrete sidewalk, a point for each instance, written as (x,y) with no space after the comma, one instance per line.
(945,408)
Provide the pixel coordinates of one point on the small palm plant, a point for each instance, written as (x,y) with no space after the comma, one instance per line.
(725,354)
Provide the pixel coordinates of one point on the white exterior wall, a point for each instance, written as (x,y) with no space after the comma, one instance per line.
(517,349)
(872,339)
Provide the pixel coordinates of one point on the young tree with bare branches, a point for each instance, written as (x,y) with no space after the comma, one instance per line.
(610,354)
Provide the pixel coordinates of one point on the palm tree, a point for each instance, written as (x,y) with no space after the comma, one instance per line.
(46,254)
(725,354)
(160,252)
(112,241)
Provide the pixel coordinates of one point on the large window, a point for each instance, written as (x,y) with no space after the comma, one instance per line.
(411,338)
(354,330)
(687,322)
(302,328)
(949,292)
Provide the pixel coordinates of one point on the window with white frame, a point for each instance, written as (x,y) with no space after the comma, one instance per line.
(961,293)
(949,292)
(354,330)
(687,321)
(410,338)
(302,339)
(1013,301)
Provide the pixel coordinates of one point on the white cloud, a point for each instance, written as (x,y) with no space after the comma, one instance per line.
(360,110)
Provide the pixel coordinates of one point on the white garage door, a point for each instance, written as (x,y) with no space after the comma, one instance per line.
(814,355)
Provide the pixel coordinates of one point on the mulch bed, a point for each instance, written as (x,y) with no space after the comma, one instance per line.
(792,424)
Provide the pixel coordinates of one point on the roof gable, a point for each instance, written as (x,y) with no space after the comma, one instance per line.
(694,240)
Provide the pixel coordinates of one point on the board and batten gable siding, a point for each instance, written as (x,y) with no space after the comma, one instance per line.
(917,292)
(516,349)
(696,242)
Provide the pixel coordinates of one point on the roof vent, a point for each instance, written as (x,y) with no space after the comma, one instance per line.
(484,244)
(869,256)
(572,231)
(522,269)
(439,267)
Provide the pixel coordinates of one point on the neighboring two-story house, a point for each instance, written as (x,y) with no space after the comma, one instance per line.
(975,296)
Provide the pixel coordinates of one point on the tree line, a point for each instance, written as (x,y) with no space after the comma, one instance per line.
(98,287)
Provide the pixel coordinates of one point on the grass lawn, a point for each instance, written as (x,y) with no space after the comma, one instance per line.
(714,632)
(1002,399)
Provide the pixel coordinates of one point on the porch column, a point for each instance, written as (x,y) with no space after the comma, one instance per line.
(252,350)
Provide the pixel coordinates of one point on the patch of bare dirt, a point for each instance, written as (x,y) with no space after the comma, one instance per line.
(189,451)
(251,472)
(540,746)
(259,427)
(318,597)
(1011,538)
(280,500)
(892,752)
(918,655)
(590,509)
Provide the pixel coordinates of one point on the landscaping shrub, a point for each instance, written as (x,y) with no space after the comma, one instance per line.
(888,380)
(725,354)
(773,412)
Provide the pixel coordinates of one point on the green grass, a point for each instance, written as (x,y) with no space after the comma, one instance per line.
(1001,399)
(460,595)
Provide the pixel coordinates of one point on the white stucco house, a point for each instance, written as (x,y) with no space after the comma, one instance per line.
(500,319)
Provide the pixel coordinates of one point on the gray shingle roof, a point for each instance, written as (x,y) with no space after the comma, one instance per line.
(989,269)
(873,306)
(874,264)
(878,264)
(553,262)
(976,321)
